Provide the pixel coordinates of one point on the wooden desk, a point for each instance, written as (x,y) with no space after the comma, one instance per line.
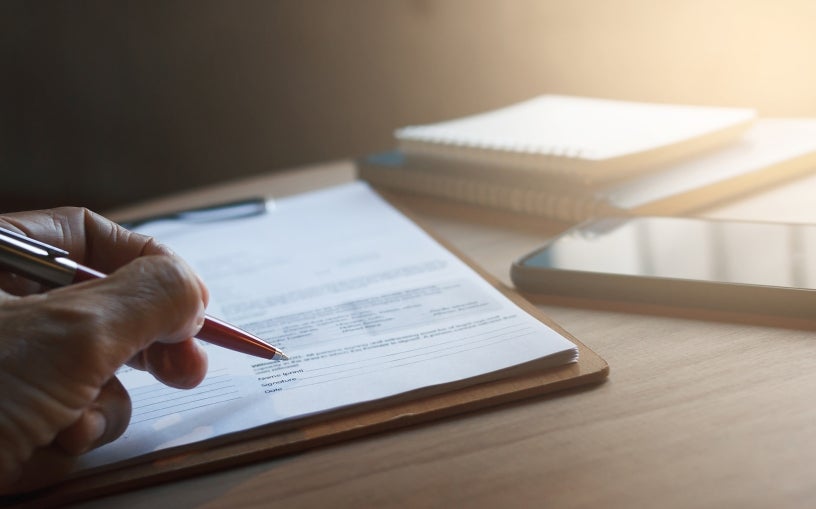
(696,413)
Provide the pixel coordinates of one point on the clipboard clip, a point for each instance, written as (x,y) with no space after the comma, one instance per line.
(211,213)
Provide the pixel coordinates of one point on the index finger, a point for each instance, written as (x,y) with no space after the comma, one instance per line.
(89,238)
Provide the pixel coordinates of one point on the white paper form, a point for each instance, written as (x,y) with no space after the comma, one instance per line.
(365,304)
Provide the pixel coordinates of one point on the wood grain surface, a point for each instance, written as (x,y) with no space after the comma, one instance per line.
(699,411)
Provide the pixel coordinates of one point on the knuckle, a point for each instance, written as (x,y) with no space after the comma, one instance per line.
(153,246)
(174,283)
(59,214)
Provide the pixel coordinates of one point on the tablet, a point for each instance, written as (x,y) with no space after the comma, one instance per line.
(754,267)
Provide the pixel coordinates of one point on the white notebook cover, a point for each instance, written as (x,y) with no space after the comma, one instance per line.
(598,137)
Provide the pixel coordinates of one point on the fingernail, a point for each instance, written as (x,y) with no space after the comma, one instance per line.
(200,318)
(97,425)
(200,348)
(180,371)
(205,293)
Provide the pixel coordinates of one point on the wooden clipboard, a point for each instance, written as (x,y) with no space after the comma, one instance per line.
(327,428)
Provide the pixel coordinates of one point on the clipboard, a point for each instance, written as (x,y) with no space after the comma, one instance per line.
(279,439)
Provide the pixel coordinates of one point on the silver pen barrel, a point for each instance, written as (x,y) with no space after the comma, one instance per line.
(20,256)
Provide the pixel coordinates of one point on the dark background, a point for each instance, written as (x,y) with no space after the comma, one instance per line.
(103,103)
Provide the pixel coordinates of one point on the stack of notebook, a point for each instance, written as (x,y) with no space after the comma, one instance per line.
(572,158)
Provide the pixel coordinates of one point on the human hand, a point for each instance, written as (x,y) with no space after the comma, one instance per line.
(60,349)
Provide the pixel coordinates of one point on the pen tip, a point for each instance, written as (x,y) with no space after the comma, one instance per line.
(280,356)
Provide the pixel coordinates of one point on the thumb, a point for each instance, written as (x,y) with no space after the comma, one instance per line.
(153,298)
(107,321)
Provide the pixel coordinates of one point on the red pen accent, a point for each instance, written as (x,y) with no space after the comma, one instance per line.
(213,331)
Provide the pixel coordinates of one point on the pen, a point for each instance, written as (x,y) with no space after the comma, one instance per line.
(51,266)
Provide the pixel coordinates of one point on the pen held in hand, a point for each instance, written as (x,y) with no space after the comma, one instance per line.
(49,265)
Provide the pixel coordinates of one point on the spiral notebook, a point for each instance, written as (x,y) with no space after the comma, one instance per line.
(770,152)
(587,139)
